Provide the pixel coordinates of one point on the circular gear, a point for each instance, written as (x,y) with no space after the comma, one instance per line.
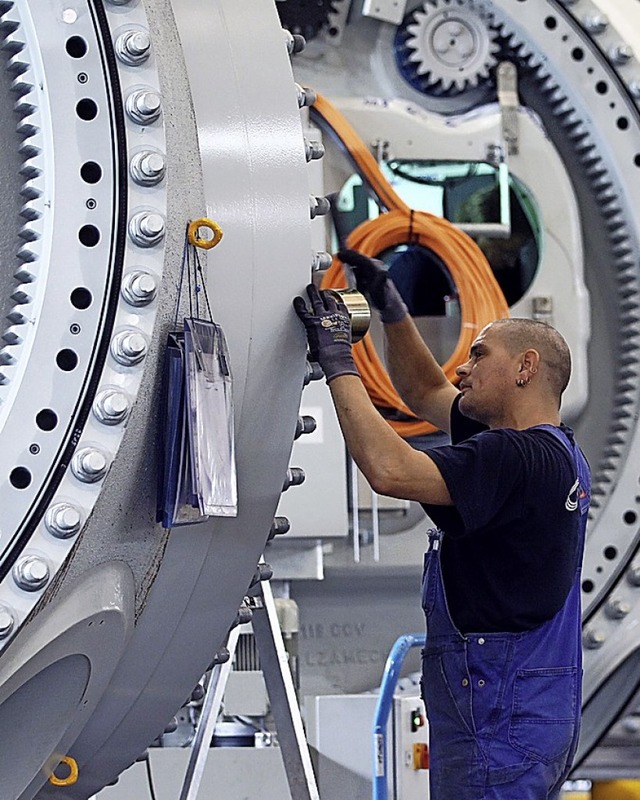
(447,46)
(305,17)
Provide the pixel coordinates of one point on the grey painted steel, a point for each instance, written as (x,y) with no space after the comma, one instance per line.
(52,679)
(274,661)
(252,174)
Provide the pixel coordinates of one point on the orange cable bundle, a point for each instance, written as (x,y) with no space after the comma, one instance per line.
(481,299)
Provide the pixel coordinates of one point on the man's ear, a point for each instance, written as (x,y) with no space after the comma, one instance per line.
(530,361)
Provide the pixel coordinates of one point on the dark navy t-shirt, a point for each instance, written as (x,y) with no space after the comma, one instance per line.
(510,549)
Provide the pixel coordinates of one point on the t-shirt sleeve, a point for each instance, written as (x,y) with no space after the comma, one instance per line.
(484,476)
(463,427)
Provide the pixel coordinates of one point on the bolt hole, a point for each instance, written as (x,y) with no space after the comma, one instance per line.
(83,77)
(90,172)
(67,360)
(588,586)
(598,569)
(20,477)
(46,419)
(81,298)
(91,204)
(76,47)
(636,159)
(551,23)
(630,517)
(622,123)
(89,235)
(87,109)
(602,87)
(75,329)
(34,449)
(577,54)
(610,552)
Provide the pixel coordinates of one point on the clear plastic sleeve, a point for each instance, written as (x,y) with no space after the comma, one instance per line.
(210,418)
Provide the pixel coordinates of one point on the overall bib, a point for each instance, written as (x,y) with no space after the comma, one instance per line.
(503,708)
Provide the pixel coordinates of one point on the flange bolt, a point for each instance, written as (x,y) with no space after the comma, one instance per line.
(89,465)
(129,348)
(139,288)
(146,228)
(133,47)
(31,573)
(63,520)
(111,407)
(144,106)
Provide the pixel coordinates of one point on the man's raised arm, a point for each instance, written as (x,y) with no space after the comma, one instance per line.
(414,371)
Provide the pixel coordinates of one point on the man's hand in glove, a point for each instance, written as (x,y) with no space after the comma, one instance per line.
(373,281)
(328,331)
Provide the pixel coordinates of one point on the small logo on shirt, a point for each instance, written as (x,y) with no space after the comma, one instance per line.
(571,503)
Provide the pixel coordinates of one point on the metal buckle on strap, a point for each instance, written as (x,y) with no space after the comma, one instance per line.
(435,536)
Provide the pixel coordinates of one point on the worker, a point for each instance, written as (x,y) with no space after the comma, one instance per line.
(501,668)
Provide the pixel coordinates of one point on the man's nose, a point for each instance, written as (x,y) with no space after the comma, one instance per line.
(462,369)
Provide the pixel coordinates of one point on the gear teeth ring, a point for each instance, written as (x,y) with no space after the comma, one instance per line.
(28,128)
(449,46)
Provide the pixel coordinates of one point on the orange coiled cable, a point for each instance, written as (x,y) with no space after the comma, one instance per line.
(481,299)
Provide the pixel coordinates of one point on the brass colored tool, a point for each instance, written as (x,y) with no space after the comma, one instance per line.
(359,311)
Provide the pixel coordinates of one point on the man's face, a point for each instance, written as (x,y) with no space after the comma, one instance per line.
(488,378)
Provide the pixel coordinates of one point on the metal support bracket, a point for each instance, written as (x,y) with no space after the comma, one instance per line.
(210,710)
(274,662)
(509,104)
(282,694)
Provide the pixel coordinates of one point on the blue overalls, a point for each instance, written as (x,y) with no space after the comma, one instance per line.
(503,708)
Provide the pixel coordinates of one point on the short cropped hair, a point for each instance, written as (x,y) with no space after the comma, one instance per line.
(520,334)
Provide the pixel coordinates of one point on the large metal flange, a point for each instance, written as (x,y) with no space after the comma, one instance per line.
(72,70)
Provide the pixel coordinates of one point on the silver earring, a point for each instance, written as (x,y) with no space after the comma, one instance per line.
(522,382)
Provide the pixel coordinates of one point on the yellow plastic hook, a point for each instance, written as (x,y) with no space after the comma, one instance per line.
(194,233)
(71,778)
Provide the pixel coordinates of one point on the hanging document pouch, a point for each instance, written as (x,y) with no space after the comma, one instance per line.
(177,502)
(210,418)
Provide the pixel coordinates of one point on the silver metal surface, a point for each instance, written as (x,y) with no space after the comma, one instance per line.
(144,106)
(89,465)
(7,622)
(139,288)
(63,520)
(111,407)
(133,47)
(147,228)
(147,168)
(31,573)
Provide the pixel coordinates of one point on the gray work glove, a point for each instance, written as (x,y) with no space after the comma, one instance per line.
(328,331)
(373,281)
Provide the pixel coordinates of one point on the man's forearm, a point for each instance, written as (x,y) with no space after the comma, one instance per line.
(391,466)
(412,367)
